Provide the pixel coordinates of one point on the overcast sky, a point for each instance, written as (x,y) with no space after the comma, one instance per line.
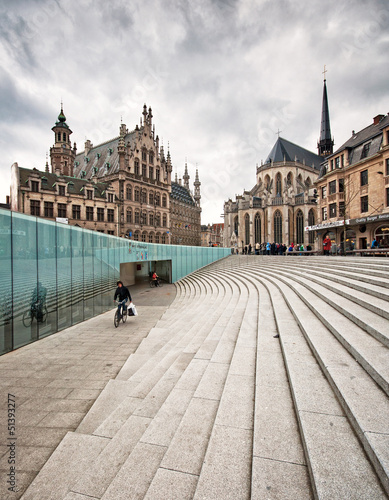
(222,77)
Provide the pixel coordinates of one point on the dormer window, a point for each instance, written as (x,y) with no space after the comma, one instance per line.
(110,151)
(86,159)
(107,166)
(83,174)
(98,155)
(365,150)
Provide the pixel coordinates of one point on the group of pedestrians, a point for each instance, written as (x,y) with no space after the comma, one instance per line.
(274,248)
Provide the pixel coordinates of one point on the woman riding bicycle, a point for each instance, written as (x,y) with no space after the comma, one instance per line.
(155,279)
(123,294)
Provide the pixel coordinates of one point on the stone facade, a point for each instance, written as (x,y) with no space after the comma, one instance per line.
(122,187)
(280,204)
(353,190)
(185,211)
(212,235)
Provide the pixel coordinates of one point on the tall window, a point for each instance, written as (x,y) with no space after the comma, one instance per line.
(89,213)
(387,197)
(387,166)
(157,199)
(151,198)
(62,210)
(144,170)
(157,174)
(257,228)
(278,227)
(100,214)
(337,162)
(129,192)
(129,215)
(311,222)
(365,150)
(299,227)
(164,201)
(35,207)
(110,197)
(89,194)
(143,217)
(76,212)
(151,173)
(324,192)
(34,186)
(164,220)
(332,209)
(49,209)
(364,178)
(341,185)
(143,196)
(247,229)
(332,187)
(341,209)
(137,217)
(110,215)
(151,219)
(236,225)
(144,155)
(158,219)
(324,213)
(278,185)
(136,194)
(136,167)
(151,157)
(364,203)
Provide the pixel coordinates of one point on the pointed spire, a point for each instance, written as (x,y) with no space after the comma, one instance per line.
(47,162)
(325,144)
(197,185)
(186,176)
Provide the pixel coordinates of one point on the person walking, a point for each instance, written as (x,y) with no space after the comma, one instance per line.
(123,294)
(326,245)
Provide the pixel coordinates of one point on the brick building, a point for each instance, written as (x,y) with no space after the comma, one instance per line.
(353,189)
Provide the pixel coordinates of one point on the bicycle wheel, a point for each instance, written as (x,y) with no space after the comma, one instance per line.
(160,283)
(116,319)
(27,318)
(124,315)
(151,284)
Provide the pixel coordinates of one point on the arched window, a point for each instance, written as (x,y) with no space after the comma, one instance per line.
(247,229)
(157,237)
(136,194)
(157,199)
(299,184)
(257,228)
(151,219)
(236,224)
(158,219)
(299,227)
(151,198)
(143,196)
(289,179)
(59,136)
(267,182)
(137,217)
(164,220)
(136,236)
(143,217)
(151,237)
(164,201)
(311,222)
(129,192)
(278,185)
(277,227)
(144,236)
(129,215)
(64,137)
(163,239)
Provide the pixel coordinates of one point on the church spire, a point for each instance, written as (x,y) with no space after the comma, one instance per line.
(326,143)
(186,176)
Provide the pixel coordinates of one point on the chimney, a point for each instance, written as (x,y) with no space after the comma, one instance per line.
(377,119)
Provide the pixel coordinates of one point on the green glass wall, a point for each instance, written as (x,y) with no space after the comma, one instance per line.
(53,275)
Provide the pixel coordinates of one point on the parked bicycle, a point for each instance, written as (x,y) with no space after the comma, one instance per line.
(37,311)
(120,314)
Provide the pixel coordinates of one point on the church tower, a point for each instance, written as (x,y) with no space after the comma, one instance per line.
(61,154)
(325,145)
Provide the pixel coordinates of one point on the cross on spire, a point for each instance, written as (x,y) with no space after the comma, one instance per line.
(324,72)
(278,132)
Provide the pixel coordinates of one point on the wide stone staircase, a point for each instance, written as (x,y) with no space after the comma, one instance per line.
(267,378)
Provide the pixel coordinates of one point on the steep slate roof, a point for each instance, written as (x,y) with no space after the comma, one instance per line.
(356,142)
(105,164)
(75,186)
(180,193)
(284,149)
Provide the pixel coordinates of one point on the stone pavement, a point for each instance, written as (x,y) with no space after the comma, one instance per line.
(57,379)
(265,378)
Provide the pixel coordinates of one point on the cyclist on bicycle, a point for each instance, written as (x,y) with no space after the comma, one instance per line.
(123,294)
(38,301)
(155,278)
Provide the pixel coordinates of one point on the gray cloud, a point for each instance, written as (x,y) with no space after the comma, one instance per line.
(221,76)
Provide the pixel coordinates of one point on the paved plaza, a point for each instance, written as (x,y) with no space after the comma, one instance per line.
(253,378)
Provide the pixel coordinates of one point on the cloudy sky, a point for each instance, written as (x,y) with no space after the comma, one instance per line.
(222,77)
